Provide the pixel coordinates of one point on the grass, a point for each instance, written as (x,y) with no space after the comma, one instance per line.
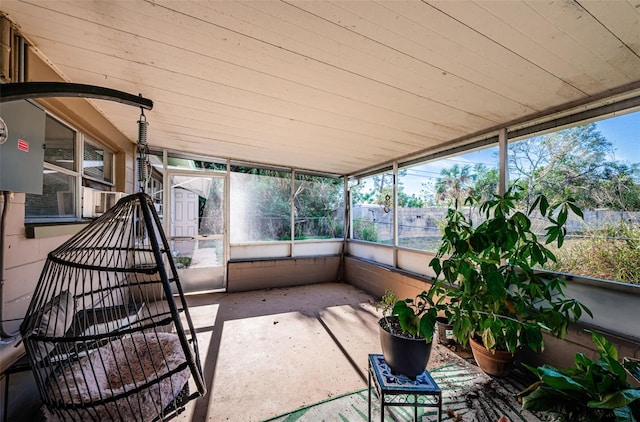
(610,253)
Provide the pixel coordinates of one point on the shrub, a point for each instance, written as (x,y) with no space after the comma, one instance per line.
(610,253)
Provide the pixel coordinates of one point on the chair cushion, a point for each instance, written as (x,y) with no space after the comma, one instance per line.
(123,366)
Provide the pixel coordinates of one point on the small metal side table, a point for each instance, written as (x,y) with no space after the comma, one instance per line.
(400,390)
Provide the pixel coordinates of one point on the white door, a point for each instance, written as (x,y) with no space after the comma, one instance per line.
(196,230)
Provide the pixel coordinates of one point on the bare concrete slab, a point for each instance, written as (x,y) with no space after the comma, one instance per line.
(268,352)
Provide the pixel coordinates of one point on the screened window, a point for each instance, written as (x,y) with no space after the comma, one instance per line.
(598,165)
(318,207)
(60,144)
(261,201)
(427,190)
(57,199)
(180,161)
(63,175)
(59,186)
(372,208)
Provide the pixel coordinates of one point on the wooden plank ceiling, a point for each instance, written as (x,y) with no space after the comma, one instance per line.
(335,86)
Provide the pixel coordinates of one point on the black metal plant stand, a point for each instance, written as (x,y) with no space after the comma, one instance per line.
(400,390)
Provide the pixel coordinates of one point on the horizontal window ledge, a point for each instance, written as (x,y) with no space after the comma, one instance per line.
(279,258)
(43,230)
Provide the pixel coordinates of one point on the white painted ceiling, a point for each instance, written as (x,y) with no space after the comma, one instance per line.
(335,86)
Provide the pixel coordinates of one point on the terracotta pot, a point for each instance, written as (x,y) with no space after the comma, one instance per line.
(404,356)
(493,362)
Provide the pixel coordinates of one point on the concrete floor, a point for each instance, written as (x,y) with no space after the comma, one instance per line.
(268,352)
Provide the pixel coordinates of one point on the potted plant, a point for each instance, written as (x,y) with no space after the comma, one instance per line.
(445,331)
(593,390)
(406,330)
(499,303)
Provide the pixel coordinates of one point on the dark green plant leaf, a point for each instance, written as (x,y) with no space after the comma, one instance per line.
(562,216)
(582,361)
(495,284)
(523,221)
(616,399)
(544,204)
(555,379)
(406,317)
(603,346)
(537,254)
(576,210)
(462,246)
(435,264)
(427,326)
(624,414)
(535,204)
(533,336)
(537,397)
(561,238)
(552,234)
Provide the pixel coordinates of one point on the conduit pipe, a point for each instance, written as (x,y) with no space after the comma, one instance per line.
(3,219)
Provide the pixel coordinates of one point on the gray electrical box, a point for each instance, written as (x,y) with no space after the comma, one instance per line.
(22,154)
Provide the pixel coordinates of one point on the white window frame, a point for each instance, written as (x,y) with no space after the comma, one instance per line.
(91,141)
(77,174)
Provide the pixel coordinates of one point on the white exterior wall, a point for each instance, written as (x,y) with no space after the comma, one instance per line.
(23,262)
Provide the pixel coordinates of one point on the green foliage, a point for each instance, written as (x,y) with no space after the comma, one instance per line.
(611,253)
(318,207)
(454,184)
(592,390)
(417,316)
(387,302)
(457,183)
(499,298)
(575,163)
(409,201)
(486,181)
(380,187)
(318,204)
(365,230)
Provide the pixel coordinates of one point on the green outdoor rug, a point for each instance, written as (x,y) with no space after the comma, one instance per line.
(466,391)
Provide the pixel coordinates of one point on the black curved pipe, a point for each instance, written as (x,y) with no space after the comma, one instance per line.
(29,90)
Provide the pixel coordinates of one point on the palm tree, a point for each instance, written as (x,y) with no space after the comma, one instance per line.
(454,184)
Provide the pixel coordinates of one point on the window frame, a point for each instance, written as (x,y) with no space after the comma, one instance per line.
(78,175)
(91,141)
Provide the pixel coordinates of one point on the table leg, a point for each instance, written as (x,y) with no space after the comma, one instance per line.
(369,391)
(381,405)
(6,398)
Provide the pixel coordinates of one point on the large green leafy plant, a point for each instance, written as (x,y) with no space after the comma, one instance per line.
(498,297)
(592,390)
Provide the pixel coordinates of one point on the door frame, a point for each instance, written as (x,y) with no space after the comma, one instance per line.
(168,210)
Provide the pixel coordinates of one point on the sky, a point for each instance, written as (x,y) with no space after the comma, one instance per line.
(622,131)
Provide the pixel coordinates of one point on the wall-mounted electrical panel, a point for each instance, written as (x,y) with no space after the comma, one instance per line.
(22,154)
